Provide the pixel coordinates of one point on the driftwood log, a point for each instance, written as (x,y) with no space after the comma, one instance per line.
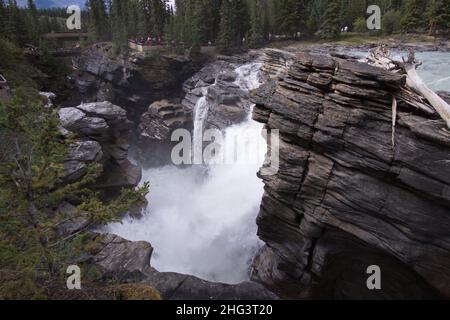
(381,57)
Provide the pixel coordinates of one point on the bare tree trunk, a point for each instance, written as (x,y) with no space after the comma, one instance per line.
(416,83)
(381,57)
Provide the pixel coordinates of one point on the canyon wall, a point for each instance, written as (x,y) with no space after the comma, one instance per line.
(345,197)
(131,81)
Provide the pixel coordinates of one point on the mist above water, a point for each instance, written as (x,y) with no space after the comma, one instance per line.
(201,220)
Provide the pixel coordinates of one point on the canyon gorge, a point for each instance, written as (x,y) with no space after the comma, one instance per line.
(348,194)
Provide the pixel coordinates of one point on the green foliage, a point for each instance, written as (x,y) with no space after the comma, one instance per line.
(438,15)
(291,17)
(98,22)
(233,25)
(31,187)
(9,53)
(256,36)
(331,28)
(360,25)
(391,22)
(412,18)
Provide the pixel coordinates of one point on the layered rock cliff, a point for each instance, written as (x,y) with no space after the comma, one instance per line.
(345,198)
(102,131)
(132,81)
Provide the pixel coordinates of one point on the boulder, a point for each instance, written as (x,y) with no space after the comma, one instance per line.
(74,221)
(80,155)
(120,174)
(130,262)
(174,286)
(119,257)
(104,130)
(75,120)
(156,127)
(105,110)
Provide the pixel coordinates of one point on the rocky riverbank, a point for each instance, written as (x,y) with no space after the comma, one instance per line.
(345,197)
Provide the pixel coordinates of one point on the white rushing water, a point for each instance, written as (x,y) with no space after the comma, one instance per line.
(202,220)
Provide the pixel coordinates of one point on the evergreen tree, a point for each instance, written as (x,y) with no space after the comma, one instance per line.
(316,15)
(211,19)
(292,16)
(157,16)
(2,19)
(227,34)
(331,27)
(98,20)
(438,16)
(256,36)
(351,10)
(31,187)
(197,14)
(132,8)
(143,18)
(119,25)
(412,18)
(13,22)
(33,22)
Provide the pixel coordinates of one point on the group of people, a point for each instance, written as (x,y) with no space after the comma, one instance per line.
(147,41)
(344,29)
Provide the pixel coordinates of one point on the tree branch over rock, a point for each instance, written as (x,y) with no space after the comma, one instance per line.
(381,57)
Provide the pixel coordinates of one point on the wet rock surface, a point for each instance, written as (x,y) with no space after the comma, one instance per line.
(345,197)
(102,130)
(173,286)
(132,81)
(156,128)
(218,81)
(130,261)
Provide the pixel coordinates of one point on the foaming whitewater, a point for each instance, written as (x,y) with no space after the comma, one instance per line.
(201,219)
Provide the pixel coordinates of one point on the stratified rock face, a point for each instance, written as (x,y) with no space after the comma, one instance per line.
(156,128)
(218,82)
(276,62)
(80,155)
(132,81)
(162,118)
(345,198)
(103,130)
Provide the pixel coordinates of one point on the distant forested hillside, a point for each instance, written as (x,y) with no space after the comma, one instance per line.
(229,24)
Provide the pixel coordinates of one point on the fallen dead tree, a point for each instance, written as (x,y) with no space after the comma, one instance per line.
(416,91)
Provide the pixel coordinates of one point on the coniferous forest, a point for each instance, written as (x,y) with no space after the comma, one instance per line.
(227,24)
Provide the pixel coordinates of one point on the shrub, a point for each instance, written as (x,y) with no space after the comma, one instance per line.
(360,25)
(391,22)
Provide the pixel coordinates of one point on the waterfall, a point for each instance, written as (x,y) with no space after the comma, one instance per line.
(205,225)
(200,114)
(248,76)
